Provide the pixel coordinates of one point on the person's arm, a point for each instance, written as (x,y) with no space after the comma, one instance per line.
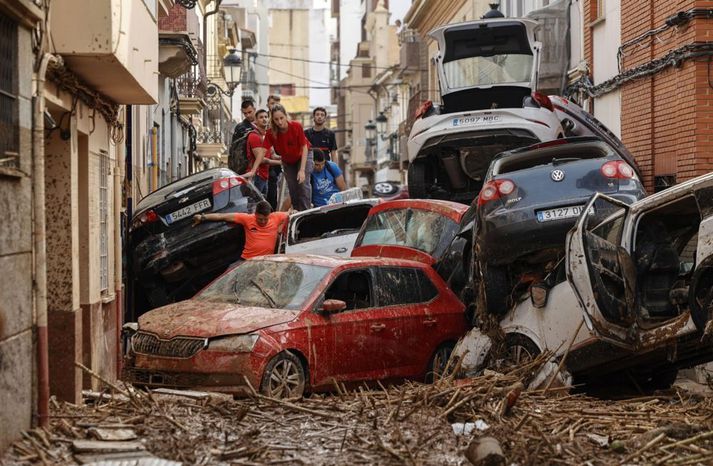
(333,148)
(341,184)
(303,163)
(200,218)
(259,153)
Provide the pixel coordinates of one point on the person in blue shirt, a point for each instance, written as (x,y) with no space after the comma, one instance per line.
(326,179)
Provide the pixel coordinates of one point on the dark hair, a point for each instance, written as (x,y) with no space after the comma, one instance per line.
(263,208)
(247,103)
(318,155)
(319,109)
(262,110)
(274,97)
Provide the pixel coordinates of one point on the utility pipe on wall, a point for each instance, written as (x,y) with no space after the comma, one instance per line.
(39,232)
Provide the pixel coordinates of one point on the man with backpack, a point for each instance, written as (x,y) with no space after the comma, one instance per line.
(258,152)
(237,160)
(326,179)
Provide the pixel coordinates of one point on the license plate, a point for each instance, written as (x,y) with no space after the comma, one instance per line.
(188,210)
(476,120)
(559,213)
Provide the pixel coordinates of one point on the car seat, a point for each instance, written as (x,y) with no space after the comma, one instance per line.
(359,291)
(657,267)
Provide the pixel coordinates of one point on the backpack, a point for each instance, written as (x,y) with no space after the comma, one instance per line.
(238,153)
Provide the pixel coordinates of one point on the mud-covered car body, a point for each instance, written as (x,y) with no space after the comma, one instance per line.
(327,230)
(171,258)
(633,294)
(438,233)
(488,74)
(393,317)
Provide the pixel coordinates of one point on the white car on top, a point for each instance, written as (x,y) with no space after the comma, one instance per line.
(488,73)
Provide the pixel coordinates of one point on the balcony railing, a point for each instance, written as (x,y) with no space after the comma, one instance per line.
(414,104)
(190,85)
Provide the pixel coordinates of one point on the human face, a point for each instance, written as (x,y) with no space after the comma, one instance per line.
(280,120)
(249,113)
(319,166)
(263,120)
(261,219)
(319,117)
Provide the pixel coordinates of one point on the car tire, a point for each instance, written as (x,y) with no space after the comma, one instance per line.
(519,349)
(659,379)
(418,180)
(438,364)
(496,287)
(284,377)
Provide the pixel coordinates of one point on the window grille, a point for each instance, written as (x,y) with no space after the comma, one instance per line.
(103,221)
(9,134)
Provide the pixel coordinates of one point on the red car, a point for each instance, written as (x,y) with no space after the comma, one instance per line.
(437,233)
(286,324)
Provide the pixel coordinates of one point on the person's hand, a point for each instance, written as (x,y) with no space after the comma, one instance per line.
(197,219)
(248,175)
(301,176)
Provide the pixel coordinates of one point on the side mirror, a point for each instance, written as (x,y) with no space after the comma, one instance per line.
(538,295)
(330,306)
(129,328)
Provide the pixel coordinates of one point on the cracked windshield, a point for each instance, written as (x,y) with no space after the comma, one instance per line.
(280,285)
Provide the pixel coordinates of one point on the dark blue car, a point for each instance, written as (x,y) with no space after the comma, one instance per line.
(531,198)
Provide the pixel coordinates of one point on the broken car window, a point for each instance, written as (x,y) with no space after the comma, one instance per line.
(418,229)
(485,71)
(262,283)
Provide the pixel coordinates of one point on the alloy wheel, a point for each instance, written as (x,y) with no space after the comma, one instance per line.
(286,380)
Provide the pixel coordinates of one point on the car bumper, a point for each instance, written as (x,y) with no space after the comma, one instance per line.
(238,373)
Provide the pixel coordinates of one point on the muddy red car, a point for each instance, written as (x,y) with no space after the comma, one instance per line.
(435,232)
(290,324)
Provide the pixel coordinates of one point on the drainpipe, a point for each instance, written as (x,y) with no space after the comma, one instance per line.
(39,238)
(119,300)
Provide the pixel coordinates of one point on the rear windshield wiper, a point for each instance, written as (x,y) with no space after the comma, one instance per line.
(556,161)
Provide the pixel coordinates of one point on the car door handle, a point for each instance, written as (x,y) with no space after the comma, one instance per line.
(378,327)
(430,322)
(340,250)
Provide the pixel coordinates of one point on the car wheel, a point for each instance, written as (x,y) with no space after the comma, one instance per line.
(497,288)
(519,349)
(418,180)
(284,377)
(439,363)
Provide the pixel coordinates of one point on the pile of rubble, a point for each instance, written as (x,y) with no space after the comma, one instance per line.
(488,419)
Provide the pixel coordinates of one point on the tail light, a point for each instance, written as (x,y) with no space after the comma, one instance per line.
(147,217)
(423,109)
(494,190)
(224,184)
(617,169)
(543,101)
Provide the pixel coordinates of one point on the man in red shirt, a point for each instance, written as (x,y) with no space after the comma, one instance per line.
(261,228)
(259,149)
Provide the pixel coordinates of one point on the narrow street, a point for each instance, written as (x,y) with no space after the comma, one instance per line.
(412,424)
(338,232)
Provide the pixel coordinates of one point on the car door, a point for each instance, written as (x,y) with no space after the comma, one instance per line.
(358,343)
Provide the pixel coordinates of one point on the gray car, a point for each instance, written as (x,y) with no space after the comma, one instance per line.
(532,197)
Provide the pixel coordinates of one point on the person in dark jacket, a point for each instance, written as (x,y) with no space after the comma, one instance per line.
(248,124)
(321,137)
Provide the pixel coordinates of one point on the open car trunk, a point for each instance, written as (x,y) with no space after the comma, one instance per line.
(487,64)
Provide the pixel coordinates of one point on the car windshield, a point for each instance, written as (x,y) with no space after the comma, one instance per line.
(418,229)
(264,283)
(486,71)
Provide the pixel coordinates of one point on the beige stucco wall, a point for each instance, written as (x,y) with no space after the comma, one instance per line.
(289,37)
(115,49)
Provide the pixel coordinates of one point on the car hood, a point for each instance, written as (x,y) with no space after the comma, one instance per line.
(206,319)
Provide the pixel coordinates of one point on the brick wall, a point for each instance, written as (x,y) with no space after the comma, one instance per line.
(667,119)
(175,21)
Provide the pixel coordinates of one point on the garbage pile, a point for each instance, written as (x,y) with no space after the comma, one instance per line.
(489,419)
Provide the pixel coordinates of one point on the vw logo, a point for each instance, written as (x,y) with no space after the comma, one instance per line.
(557,175)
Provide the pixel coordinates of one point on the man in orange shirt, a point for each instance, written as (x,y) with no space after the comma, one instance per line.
(261,228)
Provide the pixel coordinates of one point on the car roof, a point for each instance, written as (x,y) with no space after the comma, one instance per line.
(338,261)
(452,210)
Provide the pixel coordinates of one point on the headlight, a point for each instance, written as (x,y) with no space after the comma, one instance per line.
(233,343)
